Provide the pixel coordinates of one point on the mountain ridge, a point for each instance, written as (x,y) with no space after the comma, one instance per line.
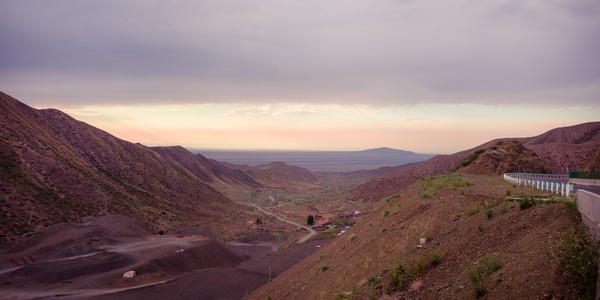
(320,161)
(57,169)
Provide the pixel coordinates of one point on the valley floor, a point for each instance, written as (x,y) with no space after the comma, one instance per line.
(73,261)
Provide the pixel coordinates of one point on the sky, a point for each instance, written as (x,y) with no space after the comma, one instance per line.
(425,76)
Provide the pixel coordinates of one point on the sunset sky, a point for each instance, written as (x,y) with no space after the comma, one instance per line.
(425,76)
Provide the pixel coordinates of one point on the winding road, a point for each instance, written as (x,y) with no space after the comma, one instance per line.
(305,238)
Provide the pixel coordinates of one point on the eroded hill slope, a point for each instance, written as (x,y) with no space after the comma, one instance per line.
(56,169)
(465,221)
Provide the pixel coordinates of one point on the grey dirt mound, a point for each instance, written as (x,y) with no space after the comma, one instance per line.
(65,270)
(85,260)
(209,255)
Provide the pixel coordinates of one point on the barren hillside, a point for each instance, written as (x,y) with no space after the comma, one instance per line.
(56,169)
(425,241)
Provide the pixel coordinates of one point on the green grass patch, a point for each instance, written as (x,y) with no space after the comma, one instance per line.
(326,234)
(432,184)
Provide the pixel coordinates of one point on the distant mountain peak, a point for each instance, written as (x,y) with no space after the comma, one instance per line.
(386,150)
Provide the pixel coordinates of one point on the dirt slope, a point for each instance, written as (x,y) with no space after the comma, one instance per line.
(56,169)
(454,222)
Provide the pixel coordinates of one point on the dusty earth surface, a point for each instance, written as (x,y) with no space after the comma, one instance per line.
(88,260)
(461,224)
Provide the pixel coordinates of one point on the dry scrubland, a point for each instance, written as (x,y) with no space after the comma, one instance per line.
(483,238)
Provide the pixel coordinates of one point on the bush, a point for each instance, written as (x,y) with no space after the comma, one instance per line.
(471,211)
(579,262)
(478,273)
(322,268)
(526,203)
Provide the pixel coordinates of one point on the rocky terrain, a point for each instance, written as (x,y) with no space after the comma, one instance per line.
(425,240)
(79,207)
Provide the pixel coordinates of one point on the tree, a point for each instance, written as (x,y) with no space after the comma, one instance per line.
(310,220)
(258,221)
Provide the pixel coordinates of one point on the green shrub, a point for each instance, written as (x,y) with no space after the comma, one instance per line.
(471,211)
(435,259)
(478,273)
(579,262)
(425,195)
(526,203)
(373,280)
(322,268)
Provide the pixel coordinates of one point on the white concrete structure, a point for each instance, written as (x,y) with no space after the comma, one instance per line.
(531,179)
(589,207)
(129,274)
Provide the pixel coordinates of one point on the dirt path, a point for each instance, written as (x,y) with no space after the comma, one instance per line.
(305,238)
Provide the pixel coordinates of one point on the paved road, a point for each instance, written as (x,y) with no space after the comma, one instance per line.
(305,238)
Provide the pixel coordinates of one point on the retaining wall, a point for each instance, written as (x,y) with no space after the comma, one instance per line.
(589,207)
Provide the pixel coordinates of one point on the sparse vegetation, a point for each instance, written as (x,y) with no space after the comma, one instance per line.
(451,229)
(391,197)
(478,273)
(352,237)
(373,280)
(431,184)
(170,198)
(469,160)
(489,213)
(473,210)
(503,209)
(528,200)
(326,234)
(579,262)
(425,195)
(322,268)
(399,276)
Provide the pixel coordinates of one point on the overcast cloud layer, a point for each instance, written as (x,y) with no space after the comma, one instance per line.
(343,52)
